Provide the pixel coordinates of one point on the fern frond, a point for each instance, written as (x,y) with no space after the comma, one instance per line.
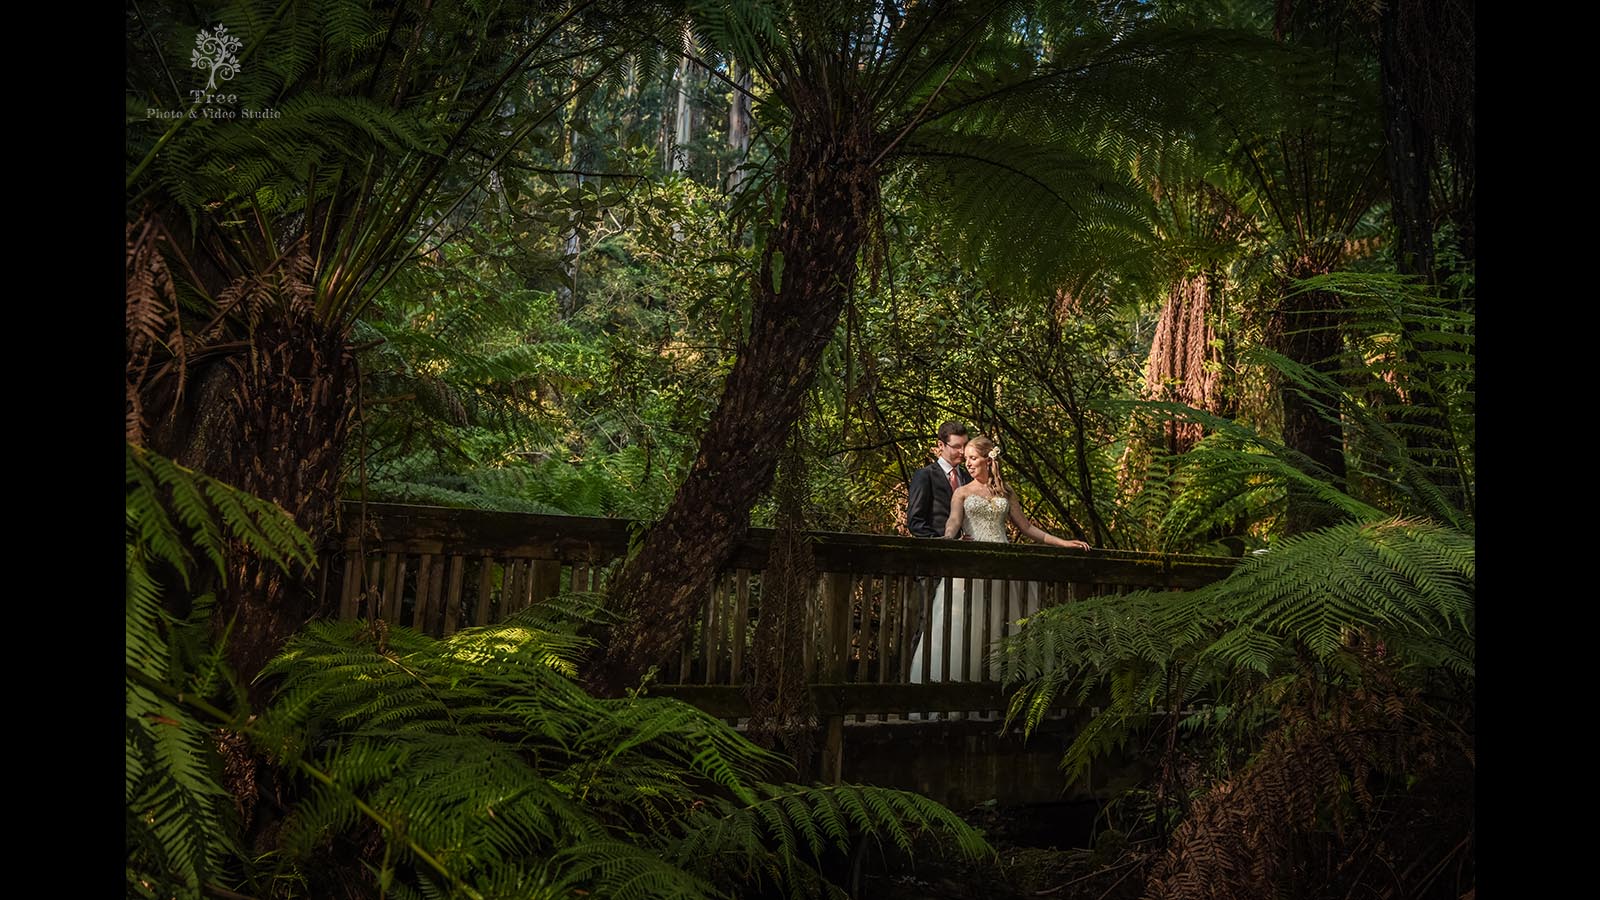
(1406,585)
(807,822)
(618,869)
(179,816)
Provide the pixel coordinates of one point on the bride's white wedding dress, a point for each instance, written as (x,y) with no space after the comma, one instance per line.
(985,520)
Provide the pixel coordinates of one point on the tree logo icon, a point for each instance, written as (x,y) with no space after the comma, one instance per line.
(214,50)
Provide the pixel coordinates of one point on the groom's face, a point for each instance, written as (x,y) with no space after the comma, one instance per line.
(953,451)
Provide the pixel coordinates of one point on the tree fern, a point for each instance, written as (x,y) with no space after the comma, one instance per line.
(179,818)
(1409,379)
(1404,585)
(485,765)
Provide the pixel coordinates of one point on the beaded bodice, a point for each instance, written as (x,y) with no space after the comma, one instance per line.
(986,518)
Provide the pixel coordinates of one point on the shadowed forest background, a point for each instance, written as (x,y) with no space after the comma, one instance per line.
(1205,271)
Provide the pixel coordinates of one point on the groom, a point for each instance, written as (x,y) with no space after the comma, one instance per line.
(928,501)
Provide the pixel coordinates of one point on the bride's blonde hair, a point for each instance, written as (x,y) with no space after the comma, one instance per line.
(985,445)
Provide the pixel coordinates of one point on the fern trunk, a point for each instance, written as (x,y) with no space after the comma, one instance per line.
(295,412)
(805,280)
(1311,337)
(273,422)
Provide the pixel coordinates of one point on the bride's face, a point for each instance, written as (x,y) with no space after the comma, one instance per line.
(977,463)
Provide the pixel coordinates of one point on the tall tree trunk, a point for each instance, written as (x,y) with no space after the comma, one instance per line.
(805,280)
(630,105)
(739,123)
(1409,151)
(572,244)
(1311,337)
(1179,352)
(683,122)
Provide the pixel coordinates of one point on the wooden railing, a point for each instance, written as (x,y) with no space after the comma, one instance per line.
(439,570)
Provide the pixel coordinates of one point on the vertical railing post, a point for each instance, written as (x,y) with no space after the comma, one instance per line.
(835,656)
(452,602)
(350,594)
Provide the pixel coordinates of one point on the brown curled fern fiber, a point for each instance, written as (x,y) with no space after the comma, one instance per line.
(153,330)
(293,398)
(1179,354)
(782,712)
(267,413)
(284,409)
(1365,792)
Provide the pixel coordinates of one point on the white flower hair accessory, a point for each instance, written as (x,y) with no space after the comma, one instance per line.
(995,453)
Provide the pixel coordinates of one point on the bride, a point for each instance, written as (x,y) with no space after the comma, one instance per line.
(980,510)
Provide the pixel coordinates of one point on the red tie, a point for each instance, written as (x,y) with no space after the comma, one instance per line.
(954,481)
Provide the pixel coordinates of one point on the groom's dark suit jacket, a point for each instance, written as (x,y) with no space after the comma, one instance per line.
(928,501)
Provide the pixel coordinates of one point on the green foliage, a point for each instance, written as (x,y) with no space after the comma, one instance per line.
(486,769)
(1323,692)
(582,398)
(805,825)
(485,766)
(1409,381)
(1235,476)
(179,818)
(354,142)
(1063,131)
(1321,598)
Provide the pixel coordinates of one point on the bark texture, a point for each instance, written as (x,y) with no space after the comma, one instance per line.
(805,281)
(293,399)
(1311,336)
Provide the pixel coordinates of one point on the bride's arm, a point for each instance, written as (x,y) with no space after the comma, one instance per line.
(958,513)
(1026,526)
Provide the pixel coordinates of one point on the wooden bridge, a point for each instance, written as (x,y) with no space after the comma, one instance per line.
(439,570)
